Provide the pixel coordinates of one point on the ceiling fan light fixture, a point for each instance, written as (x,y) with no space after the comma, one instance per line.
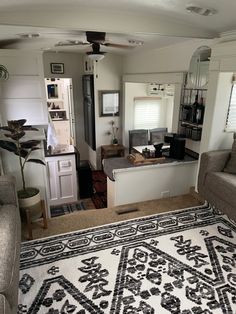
(95,56)
(200,10)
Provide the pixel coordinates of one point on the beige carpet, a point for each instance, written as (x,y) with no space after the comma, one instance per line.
(95,217)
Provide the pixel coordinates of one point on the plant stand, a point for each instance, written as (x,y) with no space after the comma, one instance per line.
(34,213)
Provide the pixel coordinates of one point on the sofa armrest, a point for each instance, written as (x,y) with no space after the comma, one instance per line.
(8,194)
(213,161)
(4,305)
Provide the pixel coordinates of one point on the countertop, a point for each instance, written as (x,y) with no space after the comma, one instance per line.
(118,164)
(61,149)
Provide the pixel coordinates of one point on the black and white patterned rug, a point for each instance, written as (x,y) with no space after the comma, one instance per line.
(180,262)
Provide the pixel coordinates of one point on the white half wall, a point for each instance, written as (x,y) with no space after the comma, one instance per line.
(144,183)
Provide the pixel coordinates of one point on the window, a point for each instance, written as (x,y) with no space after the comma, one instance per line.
(231,116)
(149,113)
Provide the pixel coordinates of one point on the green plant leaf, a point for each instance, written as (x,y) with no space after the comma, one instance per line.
(10,146)
(37,161)
(30,144)
(16,136)
(16,124)
(29,128)
(6,128)
(23,153)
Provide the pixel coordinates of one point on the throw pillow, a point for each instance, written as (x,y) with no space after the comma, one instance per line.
(231,164)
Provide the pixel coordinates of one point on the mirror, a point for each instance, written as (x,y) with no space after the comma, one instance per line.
(199,66)
(109,103)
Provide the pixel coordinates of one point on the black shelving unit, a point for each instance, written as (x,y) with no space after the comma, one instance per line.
(187,128)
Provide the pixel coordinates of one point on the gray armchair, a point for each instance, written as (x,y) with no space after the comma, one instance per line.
(137,138)
(216,186)
(157,135)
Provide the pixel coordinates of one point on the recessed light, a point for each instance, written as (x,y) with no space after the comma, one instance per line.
(200,10)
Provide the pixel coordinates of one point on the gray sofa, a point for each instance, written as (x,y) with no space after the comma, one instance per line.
(215,185)
(10,239)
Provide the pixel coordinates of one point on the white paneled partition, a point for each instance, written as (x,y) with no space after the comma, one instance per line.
(23,96)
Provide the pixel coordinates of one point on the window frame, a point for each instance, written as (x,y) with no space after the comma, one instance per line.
(228,127)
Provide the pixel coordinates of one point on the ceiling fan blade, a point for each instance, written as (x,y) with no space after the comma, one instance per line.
(4,43)
(118,46)
(70,43)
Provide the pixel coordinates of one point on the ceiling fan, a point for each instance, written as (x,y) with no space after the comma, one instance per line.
(95,40)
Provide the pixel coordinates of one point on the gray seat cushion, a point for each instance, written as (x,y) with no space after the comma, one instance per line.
(9,248)
(222,184)
(4,305)
(231,164)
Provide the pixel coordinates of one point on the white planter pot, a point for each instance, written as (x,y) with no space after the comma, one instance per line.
(29,201)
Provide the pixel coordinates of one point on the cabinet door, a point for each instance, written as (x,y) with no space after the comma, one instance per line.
(62,179)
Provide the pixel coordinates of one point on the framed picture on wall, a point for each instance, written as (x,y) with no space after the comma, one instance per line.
(57,68)
(109,103)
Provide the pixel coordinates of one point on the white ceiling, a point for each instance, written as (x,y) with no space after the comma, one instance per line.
(157,23)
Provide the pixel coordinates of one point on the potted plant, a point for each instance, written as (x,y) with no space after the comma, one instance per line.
(113,133)
(14,143)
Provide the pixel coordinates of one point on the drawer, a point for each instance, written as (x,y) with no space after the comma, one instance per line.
(65,165)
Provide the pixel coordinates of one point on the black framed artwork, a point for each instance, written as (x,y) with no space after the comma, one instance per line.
(109,103)
(57,68)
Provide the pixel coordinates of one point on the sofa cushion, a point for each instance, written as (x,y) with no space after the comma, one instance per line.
(4,305)
(231,164)
(9,248)
(223,185)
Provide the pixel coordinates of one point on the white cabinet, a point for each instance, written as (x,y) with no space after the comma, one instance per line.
(62,179)
(62,131)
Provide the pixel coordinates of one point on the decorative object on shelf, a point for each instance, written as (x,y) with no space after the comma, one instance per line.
(113,132)
(28,196)
(109,103)
(57,68)
(4,74)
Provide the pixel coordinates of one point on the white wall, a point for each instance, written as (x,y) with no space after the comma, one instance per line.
(214,136)
(222,66)
(108,74)
(73,68)
(175,58)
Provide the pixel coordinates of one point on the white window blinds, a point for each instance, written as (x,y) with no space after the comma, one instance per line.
(231,116)
(148,113)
